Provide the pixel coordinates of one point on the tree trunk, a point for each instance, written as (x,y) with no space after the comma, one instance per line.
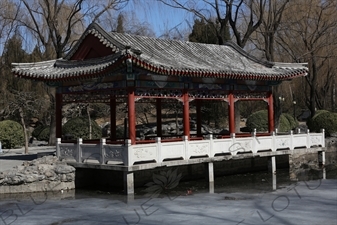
(312,98)
(89,119)
(24,129)
(52,135)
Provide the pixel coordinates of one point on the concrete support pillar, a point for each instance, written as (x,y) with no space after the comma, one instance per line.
(321,158)
(128,183)
(272,168)
(272,164)
(210,170)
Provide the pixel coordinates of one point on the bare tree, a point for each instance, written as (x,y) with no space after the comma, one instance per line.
(56,24)
(265,41)
(24,105)
(308,35)
(240,15)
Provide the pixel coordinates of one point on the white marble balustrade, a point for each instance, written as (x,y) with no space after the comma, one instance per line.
(128,154)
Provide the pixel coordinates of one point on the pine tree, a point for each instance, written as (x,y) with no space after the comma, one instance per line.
(208,32)
(120,24)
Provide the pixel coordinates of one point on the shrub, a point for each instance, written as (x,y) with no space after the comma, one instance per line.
(259,121)
(44,134)
(324,120)
(11,134)
(36,132)
(292,122)
(312,122)
(284,124)
(79,128)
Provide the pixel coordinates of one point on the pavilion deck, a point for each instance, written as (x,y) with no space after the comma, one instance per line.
(128,158)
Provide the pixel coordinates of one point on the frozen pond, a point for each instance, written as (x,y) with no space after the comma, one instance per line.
(238,199)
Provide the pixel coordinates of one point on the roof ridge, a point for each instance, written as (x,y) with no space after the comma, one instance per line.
(247,55)
(96,30)
(64,63)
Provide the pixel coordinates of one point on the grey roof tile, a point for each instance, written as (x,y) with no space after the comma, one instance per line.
(170,57)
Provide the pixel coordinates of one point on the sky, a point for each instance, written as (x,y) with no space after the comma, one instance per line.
(160,17)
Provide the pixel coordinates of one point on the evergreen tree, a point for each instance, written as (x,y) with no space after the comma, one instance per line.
(208,32)
(120,24)
(13,52)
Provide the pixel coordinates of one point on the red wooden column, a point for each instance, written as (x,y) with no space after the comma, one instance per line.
(231,113)
(198,108)
(186,114)
(132,115)
(159,117)
(113,118)
(271,121)
(58,114)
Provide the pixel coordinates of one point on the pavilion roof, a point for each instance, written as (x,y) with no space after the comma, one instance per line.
(160,56)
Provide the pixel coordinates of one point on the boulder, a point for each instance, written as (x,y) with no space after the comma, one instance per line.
(37,173)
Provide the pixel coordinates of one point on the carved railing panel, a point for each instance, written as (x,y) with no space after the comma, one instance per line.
(90,152)
(68,151)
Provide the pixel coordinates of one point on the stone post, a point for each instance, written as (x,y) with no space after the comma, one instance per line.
(272,168)
(79,150)
(58,142)
(128,182)
(210,176)
(102,150)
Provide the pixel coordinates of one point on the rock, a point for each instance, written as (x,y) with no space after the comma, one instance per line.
(70,177)
(14,180)
(64,169)
(36,173)
(31,178)
(49,173)
(44,167)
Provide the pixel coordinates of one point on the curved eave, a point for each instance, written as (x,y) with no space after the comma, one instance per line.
(276,74)
(63,70)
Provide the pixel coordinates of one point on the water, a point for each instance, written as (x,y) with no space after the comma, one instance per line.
(236,199)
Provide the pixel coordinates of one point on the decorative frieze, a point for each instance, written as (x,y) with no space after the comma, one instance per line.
(248,95)
(199,149)
(112,152)
(68,151)
(158,93)
(207,94)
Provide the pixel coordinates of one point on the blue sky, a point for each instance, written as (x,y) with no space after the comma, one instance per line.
(159,16)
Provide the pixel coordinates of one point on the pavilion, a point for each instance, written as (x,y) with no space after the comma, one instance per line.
(114,67)
(106,67)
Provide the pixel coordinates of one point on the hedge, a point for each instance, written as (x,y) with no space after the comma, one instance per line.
(259,121)
(79,128)
(11,134)
(323,120)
